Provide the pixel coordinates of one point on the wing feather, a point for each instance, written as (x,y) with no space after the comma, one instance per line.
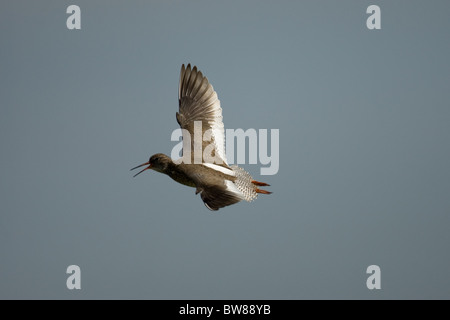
(199,102)
(219,196)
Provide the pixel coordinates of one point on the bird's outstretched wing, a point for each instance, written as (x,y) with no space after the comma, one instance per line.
(198,103)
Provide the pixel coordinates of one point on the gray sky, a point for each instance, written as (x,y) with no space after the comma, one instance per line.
(364,153)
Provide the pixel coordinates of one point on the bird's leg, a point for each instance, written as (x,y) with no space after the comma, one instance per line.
(261,184)
(262,191)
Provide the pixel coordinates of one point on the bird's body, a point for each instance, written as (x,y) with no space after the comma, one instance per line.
(218,183)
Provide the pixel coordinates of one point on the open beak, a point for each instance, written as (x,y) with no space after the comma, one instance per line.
(141,165)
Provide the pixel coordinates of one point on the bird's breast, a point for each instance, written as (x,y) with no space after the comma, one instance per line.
(182,178)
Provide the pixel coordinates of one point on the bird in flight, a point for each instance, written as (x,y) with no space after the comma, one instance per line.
(203,164)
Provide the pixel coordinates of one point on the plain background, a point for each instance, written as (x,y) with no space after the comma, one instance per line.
(364,150)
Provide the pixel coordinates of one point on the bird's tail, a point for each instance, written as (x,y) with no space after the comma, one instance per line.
(245,183)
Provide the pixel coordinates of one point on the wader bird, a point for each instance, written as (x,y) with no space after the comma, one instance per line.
(218,183)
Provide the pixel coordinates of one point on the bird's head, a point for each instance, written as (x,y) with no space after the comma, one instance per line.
(158,162)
